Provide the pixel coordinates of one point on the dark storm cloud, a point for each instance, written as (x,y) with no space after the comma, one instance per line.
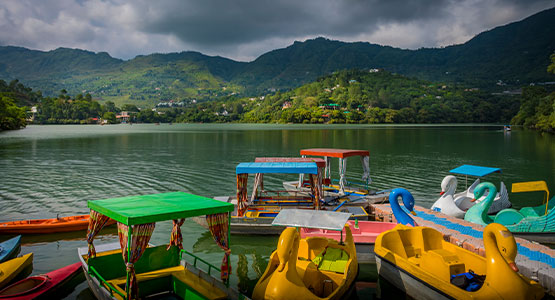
(244,29)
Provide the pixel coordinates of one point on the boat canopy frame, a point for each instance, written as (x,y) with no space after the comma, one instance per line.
(146,209)
(532,186)
(342,155)
(476,171)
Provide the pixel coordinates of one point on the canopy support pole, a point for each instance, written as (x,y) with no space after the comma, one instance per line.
(129,232)
(228,244)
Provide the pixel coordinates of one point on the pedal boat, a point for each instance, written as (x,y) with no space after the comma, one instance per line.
(115,270)
(310,268)
(456,204)
(534,223)
(254,214)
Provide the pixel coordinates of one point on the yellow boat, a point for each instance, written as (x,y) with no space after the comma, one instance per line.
(418,261)
(311,268)
(12,268)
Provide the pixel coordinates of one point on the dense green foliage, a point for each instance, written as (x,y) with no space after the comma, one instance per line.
(79,110)
(537,109)
(13,98)
(514,53)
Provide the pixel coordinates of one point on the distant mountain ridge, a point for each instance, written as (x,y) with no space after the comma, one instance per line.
(516,54)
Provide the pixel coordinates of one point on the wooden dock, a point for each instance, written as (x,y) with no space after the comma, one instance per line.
(533,260)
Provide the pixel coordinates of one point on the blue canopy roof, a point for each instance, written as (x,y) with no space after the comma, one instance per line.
(475,170)
(277,167)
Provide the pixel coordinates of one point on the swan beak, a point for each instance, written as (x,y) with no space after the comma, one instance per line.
(442,192)
(513,266)
(473,200)
(281,267)
(413,212)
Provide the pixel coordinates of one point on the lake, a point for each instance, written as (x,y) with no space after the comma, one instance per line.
(51,170)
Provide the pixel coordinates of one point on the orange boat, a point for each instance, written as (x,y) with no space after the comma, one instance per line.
(63,224)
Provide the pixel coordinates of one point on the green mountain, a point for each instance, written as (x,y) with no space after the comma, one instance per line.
(517,54)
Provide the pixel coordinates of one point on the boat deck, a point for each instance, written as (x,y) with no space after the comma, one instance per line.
(533,260)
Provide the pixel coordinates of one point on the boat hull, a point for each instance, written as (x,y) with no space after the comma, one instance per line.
(41,226)
(406,282)
(247,226)
(10,248)
(11,269)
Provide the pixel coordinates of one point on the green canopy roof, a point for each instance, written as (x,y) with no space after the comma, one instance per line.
(133,210)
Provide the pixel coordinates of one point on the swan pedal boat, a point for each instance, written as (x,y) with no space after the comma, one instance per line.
(456,204)
(313,267)
(158,270)
(418,261)
(535,223)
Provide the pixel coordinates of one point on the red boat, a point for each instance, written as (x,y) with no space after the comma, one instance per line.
(39,226)
(41,285)
(364,234)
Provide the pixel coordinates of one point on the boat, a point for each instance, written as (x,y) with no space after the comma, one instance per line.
(365,232)
(254,215)
(456,204)
(313,267)
(145,270)
(14,268)
(418,261)
(507,128)
(340,188)
(533,223)
(10,248)
(42,285)
(42,226)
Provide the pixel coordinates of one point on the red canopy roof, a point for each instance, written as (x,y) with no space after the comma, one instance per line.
(319,161)
(330,152)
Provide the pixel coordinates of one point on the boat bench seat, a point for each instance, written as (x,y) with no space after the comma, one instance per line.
(442,263)
(176,279)
(332,260)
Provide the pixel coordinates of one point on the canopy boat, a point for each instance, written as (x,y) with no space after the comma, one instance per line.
(365,232)
(456,204)
(421,263)
(41,226)
(533,223)
(340,188)
(312,267)
(40,286)
(10,248)
(14,268)
(254,215)
(135,270)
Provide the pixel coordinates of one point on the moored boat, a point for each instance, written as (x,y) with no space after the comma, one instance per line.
(14,267)
(41,226)
(10,248)
(40,286)
(132,269)
(313,267)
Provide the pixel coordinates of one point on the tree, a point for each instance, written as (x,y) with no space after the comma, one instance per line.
(11,116)
(110,116)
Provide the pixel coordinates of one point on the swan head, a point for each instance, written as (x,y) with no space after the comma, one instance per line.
(505,243)
(481,189)
(288,245)
(448,184)
(408,202)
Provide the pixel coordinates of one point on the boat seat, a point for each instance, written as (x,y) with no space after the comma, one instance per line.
(442,263)
(332,260)
(174,274)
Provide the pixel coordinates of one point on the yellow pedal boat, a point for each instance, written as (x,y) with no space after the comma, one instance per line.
(418,261)
(311,268)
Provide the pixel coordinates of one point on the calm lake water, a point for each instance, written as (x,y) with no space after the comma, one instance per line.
(50,170)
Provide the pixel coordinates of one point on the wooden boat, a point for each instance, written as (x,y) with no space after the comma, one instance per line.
(254,215)
(42,285)
(456,204)
(534,223)
(12,268)
(162,269)
(310,268)
(41,226)
(419,262)
(357,192)
(10,248)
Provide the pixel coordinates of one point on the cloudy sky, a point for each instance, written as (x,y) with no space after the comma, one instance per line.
(245,29)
